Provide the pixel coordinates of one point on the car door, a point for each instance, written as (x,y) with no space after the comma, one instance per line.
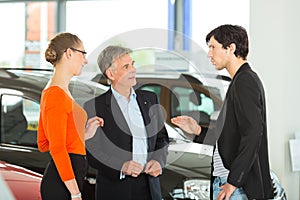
(19,121)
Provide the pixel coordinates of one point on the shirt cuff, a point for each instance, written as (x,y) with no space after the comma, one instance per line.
(122,175)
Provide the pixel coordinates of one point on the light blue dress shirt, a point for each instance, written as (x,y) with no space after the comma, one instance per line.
(134,119)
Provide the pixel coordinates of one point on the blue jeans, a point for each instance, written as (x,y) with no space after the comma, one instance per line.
(238,194)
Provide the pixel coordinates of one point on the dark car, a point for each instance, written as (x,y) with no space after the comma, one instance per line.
(184,94)
(187,173)
(20,92)
(19,183)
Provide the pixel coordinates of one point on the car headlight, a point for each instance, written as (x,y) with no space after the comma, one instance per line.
(196,189)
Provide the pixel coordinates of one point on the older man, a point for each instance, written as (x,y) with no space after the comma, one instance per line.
(130,150)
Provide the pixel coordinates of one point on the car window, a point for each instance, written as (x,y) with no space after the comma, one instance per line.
(153,88)
(186,101)
(19,120)
(207,104)
(192,103)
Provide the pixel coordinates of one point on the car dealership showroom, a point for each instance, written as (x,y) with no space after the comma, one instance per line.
(170,53)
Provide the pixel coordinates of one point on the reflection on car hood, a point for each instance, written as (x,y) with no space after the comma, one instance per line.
(16,173)
(18,183)
(190,159)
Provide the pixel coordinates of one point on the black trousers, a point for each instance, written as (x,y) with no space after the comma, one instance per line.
(53,188)
(129,188)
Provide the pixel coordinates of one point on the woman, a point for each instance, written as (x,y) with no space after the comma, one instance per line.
(62,125)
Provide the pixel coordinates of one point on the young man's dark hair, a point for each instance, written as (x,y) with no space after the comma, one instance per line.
(228,34)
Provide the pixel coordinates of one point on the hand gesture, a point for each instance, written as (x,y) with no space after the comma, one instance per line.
(153,168)
(92,125)
(188,124)
(132,168)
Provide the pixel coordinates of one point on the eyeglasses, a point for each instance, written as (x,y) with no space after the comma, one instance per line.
(83,52)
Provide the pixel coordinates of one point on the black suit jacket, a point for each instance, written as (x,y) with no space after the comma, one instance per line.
(112,144)
(241,132)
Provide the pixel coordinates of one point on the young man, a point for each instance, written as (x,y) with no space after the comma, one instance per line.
(130,150)
(240,159)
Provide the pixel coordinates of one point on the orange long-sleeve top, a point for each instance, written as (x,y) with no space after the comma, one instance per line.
(61,129)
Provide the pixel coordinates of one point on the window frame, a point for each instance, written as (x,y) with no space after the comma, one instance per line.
(24,146)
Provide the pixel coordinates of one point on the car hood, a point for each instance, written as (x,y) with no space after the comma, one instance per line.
(185,157)
(19,182)
(190,159)
(15,173)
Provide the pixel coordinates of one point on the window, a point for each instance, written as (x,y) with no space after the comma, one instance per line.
(115,22)
(153,88)
(184,101)
(192,103)
(19,120)
(208,14)
(26,30)
(28,26)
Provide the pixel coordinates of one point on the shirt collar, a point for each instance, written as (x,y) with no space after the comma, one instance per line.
(117,95)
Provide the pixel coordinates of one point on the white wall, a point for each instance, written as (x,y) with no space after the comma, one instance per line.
(274,54)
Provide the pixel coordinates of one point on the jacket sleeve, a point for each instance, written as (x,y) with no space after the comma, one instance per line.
(200,138)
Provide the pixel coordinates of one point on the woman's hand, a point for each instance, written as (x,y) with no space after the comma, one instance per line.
(92,125)
(187,123)
(73,189)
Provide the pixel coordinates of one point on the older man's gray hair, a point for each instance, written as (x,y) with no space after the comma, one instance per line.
(109,55)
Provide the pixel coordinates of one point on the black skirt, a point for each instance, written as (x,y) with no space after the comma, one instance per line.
(53,188)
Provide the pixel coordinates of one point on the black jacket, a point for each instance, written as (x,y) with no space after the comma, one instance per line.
(112,144)
(241,132)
